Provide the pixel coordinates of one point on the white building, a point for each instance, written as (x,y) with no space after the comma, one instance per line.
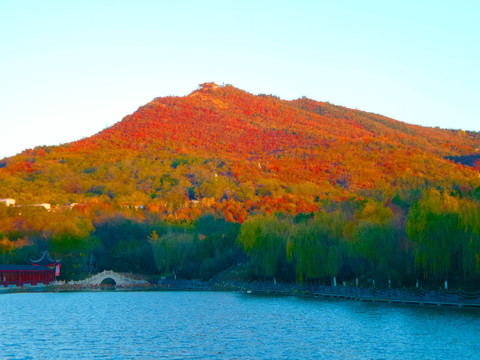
(8,201)
(45,205)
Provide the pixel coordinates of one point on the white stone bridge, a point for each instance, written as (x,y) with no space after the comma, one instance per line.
(97,279)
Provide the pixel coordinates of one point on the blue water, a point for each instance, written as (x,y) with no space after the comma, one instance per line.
(208,325)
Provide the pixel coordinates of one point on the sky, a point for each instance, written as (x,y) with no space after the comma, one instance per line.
(71,69)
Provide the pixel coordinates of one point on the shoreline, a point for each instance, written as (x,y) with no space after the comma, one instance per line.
(418,297)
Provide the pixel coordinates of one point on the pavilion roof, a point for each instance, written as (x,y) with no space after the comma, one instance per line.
(45,260)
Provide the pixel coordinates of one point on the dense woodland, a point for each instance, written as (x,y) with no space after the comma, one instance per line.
(225,183)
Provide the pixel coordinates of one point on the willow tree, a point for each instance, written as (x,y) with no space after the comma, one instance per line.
(446,232)
(470,223)
(376,243)
(264,239)
(372,238)
(317,246)
(171,251)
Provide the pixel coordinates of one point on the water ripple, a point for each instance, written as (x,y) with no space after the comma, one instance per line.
(196,325)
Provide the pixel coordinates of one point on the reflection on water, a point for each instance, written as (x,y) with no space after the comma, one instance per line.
(150,325)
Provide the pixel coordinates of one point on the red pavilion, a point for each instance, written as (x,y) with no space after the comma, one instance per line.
(41,271)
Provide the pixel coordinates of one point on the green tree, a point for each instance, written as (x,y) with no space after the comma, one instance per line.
(73,244)
(317,247)
(172,251)
(374,240)
(446,232)
(264,239)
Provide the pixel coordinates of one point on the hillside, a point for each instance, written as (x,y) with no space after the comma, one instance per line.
(221,144)
(197,185)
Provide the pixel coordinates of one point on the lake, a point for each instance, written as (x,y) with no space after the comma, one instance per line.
(217,325)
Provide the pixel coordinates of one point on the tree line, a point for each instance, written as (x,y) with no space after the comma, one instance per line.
(434,238)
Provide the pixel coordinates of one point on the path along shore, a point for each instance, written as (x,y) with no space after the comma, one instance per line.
(416,296)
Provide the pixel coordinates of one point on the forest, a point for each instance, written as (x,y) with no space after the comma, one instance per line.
(434,238)
(223,183)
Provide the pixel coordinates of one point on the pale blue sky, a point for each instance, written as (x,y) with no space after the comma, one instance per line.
(70,69)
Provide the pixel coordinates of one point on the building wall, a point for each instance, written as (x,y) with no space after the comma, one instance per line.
(19,278)
(8,201)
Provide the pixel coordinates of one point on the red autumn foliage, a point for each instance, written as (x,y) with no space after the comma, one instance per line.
(270,155)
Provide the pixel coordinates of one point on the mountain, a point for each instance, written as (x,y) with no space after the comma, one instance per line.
(225,150)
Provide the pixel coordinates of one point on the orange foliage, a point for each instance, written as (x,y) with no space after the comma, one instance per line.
(262,147)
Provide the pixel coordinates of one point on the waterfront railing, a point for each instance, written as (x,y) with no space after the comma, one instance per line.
(440,297)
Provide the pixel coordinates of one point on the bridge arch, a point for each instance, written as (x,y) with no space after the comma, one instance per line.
(108,281)
(97,279)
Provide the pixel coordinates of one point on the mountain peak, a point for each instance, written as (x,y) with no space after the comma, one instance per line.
(269,147)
